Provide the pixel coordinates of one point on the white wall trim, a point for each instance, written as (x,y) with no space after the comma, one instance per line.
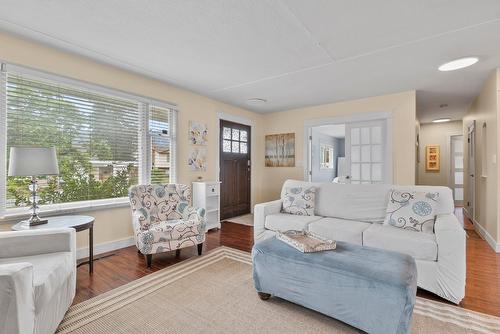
(105,247)
(486,236)
(253,143)
(358,117)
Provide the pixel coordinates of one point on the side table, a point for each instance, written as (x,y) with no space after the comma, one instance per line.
(79,223)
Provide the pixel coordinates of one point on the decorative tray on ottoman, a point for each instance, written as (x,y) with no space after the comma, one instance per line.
(306,242)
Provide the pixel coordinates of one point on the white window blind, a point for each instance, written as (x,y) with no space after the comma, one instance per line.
(105,142)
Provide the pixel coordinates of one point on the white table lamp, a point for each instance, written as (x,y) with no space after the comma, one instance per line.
(33,162)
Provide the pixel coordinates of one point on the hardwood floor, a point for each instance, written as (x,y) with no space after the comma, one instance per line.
(483,267)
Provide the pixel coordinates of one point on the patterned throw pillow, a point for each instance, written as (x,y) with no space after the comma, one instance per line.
(412,210)
(299,201)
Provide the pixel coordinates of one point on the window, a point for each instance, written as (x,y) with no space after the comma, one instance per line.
(235,141)
(97,137)
(326,156)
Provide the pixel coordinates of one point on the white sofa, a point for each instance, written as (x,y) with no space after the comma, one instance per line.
(355,213)
(37,279)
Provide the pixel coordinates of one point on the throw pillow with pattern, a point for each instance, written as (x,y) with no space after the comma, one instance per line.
(299,201)
(412,210)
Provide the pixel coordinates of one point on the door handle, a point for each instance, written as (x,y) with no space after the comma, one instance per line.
(471,175)
(347,177)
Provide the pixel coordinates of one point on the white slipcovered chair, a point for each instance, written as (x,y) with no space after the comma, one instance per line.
(163,219)
(37,279)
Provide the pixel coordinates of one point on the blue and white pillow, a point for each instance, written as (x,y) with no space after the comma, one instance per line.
(412,210)
(299,201)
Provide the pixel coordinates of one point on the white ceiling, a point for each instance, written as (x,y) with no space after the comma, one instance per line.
(334,130)
(293,53)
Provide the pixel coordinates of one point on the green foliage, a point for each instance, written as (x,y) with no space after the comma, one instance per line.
(58,125)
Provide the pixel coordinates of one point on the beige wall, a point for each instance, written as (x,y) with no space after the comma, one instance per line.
(401,105)
(437,134)
(115,224)
(485,110)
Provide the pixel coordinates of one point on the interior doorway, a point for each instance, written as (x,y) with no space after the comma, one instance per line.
(469,206)
(235,158)
(348,151)
(457,168)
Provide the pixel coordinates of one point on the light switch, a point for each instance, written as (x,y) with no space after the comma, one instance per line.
(494,158)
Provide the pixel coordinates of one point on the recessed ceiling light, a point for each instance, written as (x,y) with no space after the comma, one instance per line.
(458,64)
(441,120)
(256,101)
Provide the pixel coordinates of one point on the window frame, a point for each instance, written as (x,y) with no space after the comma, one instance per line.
(330,148)
(144,157)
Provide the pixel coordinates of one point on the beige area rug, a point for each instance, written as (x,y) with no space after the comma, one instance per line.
(243,220)
(214,293)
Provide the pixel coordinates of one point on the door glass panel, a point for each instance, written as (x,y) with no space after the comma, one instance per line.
(243,148)
(355,136)
(459,194)
(376,172)
(355,153)
(236,147)
(459,177)
(236,134)
(365,153)
(365,172)
(226,133)
(459,162)
(365,135)
(355,172)
(376,135)
(458,146)
(243,135)
(377,153)
(226,146)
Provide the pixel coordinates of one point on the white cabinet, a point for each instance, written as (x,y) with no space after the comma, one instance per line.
(206,195)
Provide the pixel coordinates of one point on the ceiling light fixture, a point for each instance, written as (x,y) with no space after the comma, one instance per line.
(458,64)
(256,101)
(441,120)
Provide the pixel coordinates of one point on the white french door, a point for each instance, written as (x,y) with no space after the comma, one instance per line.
(365,148)
(457,169)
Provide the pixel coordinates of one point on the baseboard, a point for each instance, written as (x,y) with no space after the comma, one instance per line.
(105,247)
(486,236)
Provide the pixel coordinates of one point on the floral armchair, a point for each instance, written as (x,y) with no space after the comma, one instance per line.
(163,220)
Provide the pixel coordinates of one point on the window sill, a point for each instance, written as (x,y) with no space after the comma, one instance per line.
(16,214)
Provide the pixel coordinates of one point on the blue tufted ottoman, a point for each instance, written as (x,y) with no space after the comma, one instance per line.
(370,289)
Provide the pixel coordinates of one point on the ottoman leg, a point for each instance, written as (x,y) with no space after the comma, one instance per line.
(263,295)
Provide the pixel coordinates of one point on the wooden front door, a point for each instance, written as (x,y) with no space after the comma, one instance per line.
(234,169)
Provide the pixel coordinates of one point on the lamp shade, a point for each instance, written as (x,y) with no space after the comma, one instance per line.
(33,161)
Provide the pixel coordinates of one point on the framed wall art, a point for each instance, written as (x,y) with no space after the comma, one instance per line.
(432,158)
(280,150)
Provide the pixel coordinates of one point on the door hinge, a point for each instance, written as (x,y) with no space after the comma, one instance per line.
(310,137)
(468,140)
(468,203)
(310,173)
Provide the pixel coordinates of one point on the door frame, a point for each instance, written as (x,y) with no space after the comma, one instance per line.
(359,117)
(471,180)
(245,121)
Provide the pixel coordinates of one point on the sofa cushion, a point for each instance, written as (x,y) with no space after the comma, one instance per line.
(422,246)
(50,272)
(340,229)
(360,202)
(299,201)
(286,221)
(412,210)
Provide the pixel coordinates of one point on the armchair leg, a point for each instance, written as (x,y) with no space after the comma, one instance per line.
(149,258)
(200,248)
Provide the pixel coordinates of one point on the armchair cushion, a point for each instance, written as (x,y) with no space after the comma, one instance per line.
(50,271)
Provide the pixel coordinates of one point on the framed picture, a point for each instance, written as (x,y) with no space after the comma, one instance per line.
(432,158)
(198,133)
(197,159)
(280,150)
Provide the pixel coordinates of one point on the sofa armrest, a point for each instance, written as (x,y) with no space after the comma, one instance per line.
(34,242)
(260,212)
(451,241)
(17,309)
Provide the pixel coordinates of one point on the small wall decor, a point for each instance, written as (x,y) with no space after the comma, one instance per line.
(432,158)
(198,133)
(280,150)
(197,159)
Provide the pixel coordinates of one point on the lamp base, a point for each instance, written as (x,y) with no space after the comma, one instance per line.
(39,222)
